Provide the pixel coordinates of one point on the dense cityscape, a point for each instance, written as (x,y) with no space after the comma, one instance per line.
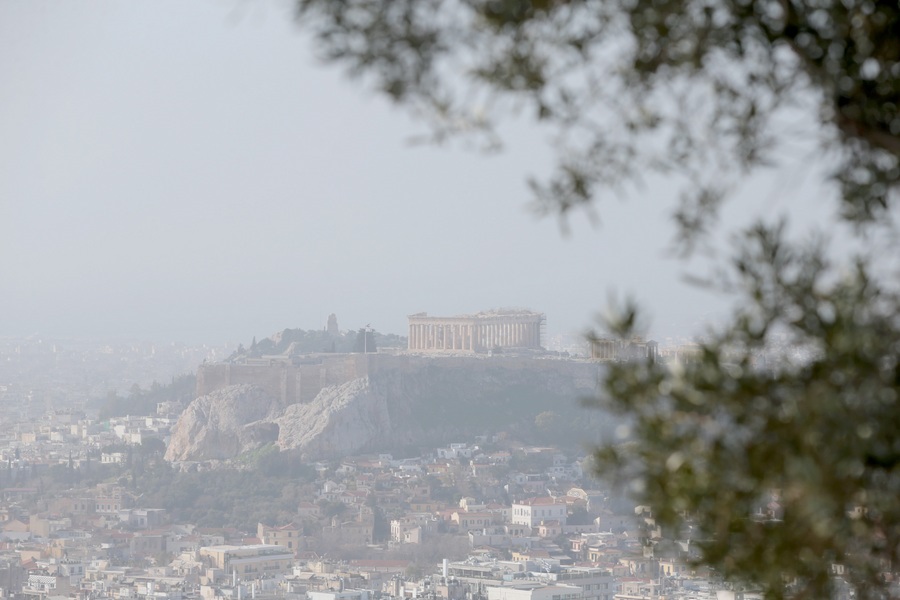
(99,500)
(700,200)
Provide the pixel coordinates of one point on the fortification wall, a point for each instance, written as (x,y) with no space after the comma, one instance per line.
(300,383)
(292,383)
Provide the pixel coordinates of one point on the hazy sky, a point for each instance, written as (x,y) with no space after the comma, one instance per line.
(175,170)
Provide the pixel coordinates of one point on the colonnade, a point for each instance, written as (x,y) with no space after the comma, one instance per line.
(609,349)
(474,334)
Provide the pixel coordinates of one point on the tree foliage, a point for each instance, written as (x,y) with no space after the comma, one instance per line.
(301,341)
(365,341)
(782,459)
(143,402)
(227,497)
(781,464)
(704,90)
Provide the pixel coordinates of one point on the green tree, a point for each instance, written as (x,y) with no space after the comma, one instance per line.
(332,509)
(153,446)
(579,516)
(547,422)
(782,465)
(365,340)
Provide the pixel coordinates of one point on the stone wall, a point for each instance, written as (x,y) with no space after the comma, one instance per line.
(300,382)
(292,383)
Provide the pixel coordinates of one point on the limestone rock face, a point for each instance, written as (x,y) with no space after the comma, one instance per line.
(400,408)
(224,423)
(417,403)
(341,421)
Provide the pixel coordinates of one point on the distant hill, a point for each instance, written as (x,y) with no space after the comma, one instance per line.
(399,402)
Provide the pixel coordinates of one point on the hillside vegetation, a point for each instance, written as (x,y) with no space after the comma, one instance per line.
(311,341)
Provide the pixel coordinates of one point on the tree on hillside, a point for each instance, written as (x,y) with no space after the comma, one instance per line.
(783,466)
(365,340)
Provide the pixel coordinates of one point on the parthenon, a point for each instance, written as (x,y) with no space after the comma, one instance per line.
(480,332)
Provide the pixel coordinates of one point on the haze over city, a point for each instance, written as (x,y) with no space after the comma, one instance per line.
(261,337)
(188,171)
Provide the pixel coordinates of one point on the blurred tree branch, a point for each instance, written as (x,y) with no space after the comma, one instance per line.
(785,464)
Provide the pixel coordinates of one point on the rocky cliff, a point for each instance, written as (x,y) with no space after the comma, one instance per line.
(225,423)
(408,403)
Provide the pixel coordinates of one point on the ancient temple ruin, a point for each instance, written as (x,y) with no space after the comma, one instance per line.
(481,332)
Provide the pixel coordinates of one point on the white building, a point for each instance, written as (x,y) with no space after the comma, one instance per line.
(535,592)
(534,511)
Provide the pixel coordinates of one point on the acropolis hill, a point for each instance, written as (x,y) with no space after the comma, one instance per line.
(329,405)
(374,403)
(295,377)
